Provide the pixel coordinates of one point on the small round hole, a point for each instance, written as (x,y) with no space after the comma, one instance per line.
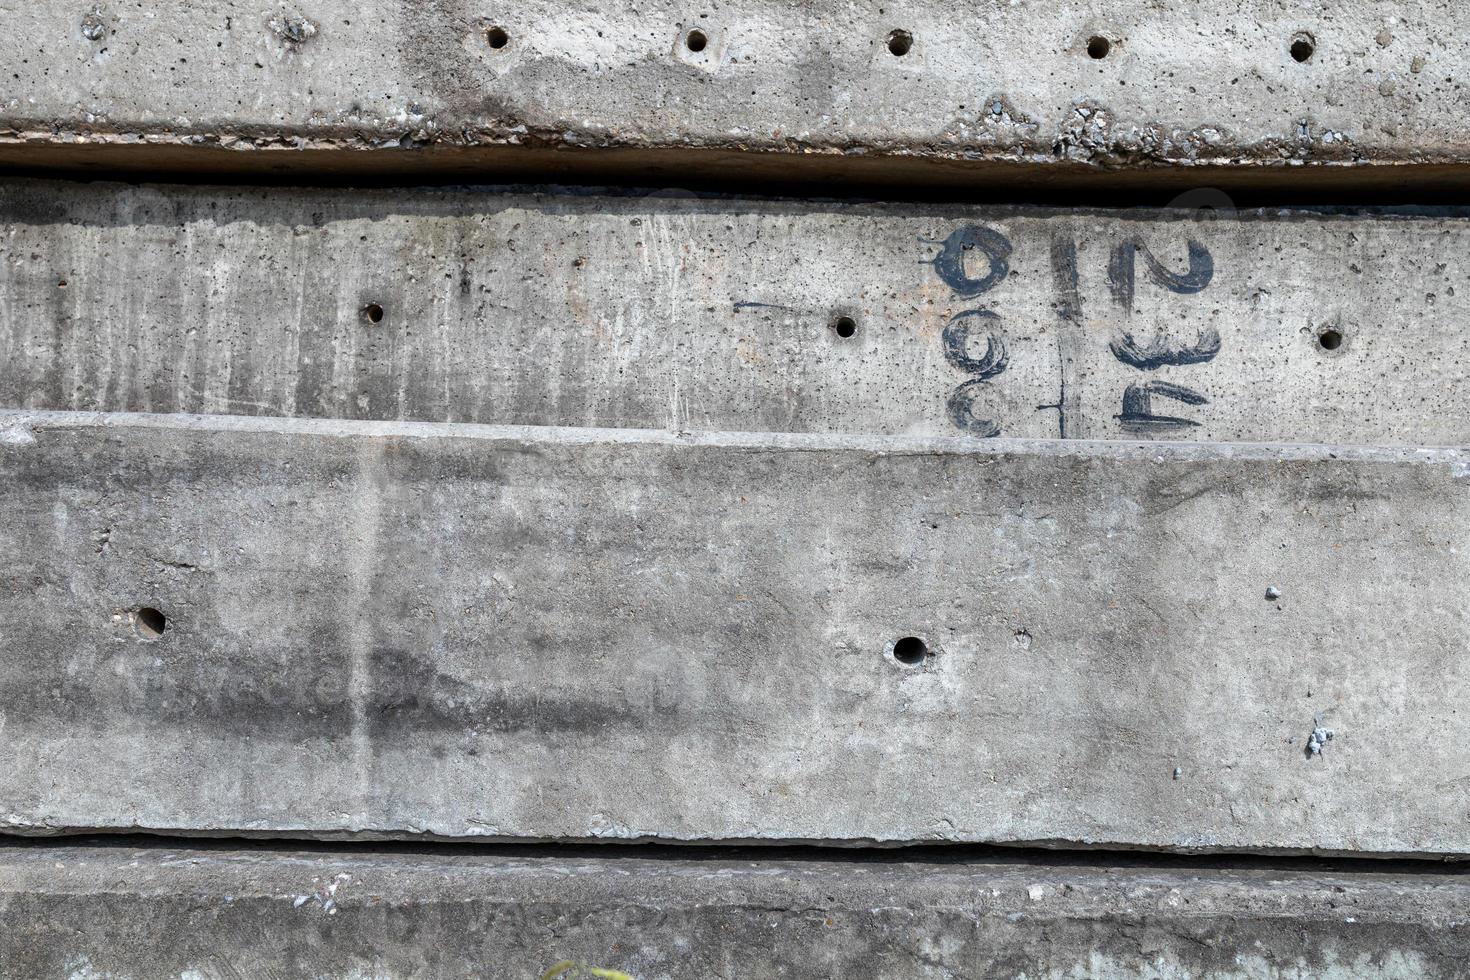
(150,623)
(910,651)
(1330,339)
(844,326)
(373,313)
(497,38)
(695,40)
(1098,47)
(1302,48)
(899,43)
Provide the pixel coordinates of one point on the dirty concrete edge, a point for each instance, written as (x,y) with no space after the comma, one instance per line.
(896,175)
(1205,205)
(14,834)
(155,912)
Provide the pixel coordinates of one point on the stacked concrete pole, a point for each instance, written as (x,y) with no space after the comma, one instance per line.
(434,548)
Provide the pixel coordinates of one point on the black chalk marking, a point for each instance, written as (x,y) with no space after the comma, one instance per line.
(1163,352)
(1138,415)
(957,343)
(1069,308)
(949,264)
(962,402)
(962,410)
(1064,277)
(1121,273)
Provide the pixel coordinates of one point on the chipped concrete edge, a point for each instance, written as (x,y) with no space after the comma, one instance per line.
(265,155)
(35,834)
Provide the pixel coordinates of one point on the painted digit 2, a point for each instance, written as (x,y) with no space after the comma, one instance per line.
(964,328)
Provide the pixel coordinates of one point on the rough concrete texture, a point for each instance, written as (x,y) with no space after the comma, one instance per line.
(1187,85)
(205,913)
(402,628)
(725,314)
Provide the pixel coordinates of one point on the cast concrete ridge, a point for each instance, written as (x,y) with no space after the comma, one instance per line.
(212,911)
(21,427)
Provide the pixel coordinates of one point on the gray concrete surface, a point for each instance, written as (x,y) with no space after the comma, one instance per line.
(690,313)
(814,88)
(398,628)
(161,913)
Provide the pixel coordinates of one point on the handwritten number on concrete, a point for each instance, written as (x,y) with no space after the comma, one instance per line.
(957,342)
(1138,414)
(957,337)
(964,330)
(1121,271)
(975,259)
(1161,351)
(950,262)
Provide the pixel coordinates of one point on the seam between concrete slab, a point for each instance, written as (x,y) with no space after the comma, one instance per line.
(286,836)
(443,200)
(754,856)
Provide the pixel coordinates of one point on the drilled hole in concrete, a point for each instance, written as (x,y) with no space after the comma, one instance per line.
(1303,47)
(497,38)
(910,651)
(150,623)
(1330,339)
(844,326)
(899,43)
(695,40)
(1098,47)
(372,313)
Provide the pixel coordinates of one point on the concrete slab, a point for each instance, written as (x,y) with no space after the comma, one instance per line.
(1366,90)
(275,626)
(728,314)
(152,913)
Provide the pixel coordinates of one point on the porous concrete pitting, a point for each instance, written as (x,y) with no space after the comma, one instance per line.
(549,633)
(724,314)
(1182,85)
(531,516)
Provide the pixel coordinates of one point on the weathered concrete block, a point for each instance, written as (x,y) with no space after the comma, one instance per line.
(253,625)
(725,314)
(212,912)
(1347,90)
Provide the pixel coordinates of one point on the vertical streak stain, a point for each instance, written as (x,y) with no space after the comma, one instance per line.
(1069,339)
(361,563)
